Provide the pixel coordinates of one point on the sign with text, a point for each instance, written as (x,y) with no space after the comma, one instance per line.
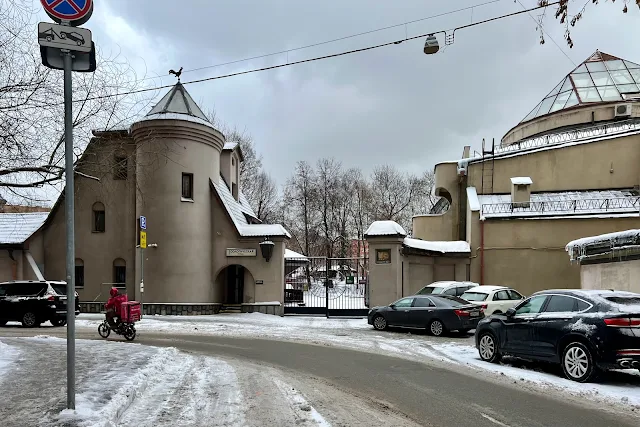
(143,239)
(241,252)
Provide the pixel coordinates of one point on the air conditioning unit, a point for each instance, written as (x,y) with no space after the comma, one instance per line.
(623,110)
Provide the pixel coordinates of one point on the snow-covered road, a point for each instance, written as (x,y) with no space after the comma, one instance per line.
(124,384)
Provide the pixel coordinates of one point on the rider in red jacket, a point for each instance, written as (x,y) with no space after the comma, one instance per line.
(113,305)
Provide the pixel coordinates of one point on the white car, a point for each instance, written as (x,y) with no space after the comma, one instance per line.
(447,288)
(494,299)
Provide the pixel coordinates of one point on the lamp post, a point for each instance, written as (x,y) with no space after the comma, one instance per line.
(431,45)
(266,248)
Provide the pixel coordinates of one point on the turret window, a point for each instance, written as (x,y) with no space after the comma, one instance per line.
(187,186)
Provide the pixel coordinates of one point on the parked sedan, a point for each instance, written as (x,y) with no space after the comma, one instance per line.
(583,330)
(436,313)
(494,299)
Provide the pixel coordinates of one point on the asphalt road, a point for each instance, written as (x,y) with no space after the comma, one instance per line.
(427,394)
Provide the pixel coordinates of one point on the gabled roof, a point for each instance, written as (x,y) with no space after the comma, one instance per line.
(239,212)
(231,146)
(600,78)
(16,228)
(178,101)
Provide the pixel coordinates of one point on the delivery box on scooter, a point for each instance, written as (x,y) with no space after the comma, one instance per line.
(130,312)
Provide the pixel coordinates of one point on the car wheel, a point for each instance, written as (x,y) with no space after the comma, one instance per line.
(63,35)
(577,363)
(29,320)
(49,38)
(380,323)
(58,322)
(436,328)
(488,348)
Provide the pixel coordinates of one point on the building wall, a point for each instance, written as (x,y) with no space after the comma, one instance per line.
(224,235)
(181,228)
(621,276)
(385,280)
(592,166)
(443,226)
(529,255)
(97,250)
(565,118)
(7,266)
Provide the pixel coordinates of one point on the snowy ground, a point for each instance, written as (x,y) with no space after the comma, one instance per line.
(124,384)
(619,387)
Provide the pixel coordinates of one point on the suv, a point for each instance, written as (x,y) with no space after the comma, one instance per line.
(34,302)
(454,289)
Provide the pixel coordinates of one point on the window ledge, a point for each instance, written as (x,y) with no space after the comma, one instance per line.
(185,199)
(97,232)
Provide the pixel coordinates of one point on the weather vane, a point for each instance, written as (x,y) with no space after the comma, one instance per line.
(176,73)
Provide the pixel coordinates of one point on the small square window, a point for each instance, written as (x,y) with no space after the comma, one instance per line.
(120,167)
(187,186)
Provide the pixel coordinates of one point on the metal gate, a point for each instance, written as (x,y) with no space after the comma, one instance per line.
(329,286)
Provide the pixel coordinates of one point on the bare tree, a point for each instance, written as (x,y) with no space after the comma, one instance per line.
(301,198)
(569,16)
(31,108)
(328,178)
(392,193)
(265,198)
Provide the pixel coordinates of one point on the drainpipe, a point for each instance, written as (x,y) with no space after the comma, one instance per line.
(481,252)
(402,280)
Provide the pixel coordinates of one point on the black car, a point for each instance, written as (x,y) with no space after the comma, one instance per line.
(436,313)
(34,302)
(582,330)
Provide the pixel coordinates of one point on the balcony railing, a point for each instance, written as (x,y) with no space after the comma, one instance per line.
(621,204)
(571,136)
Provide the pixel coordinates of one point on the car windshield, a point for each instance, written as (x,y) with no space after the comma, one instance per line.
(474,296)
(60,288)
(430,290)
(453,301)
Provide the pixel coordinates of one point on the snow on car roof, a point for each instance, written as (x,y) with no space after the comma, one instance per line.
(450,283)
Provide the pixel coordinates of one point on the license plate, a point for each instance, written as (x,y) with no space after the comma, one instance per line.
(474,313)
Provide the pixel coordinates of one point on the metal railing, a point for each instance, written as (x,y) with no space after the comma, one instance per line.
(619,204)
(571,136)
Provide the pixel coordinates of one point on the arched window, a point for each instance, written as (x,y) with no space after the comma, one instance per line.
(79,273)
(119,273)
(99,218)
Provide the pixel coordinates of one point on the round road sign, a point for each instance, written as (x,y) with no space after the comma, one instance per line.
(75,12)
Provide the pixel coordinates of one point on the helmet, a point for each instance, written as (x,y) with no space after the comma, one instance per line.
(113,292)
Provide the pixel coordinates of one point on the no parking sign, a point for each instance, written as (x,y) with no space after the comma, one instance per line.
(75,12)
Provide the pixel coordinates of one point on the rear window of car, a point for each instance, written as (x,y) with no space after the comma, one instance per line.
(625,303)
(25,289)
(60,288)
(474,296)
(430,290)
(452,301)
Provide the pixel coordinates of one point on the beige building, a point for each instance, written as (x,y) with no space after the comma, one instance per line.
(569,169)
(206,248)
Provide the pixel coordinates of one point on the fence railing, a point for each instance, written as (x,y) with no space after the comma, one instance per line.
(570,136)
(628,204)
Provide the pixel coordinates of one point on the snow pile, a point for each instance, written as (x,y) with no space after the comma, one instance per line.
(521,180)
(442,247)
(577,248)
(385,228)
(8,355)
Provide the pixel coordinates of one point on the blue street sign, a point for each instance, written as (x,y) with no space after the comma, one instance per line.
(76,12)
(143,222)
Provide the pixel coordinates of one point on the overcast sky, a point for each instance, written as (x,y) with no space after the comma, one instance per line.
(392,105)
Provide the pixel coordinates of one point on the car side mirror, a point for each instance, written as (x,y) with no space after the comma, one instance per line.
(511,312)
(392,307)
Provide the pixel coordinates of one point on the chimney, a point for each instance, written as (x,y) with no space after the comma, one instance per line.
(521,191)
(466,152)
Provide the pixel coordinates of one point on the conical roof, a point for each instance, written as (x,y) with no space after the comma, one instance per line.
(178,101)
(601,78)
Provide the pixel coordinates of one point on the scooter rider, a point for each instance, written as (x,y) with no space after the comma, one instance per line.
(113,306)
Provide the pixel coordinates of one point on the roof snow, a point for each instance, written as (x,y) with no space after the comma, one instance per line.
(385,228)
(472,197)
(16,228)
(621,239)
(562,204)
(521,180)
(230,145)
(289,254)
(238,210)
(442,247)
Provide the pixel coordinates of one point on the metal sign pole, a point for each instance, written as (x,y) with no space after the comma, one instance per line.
(141,281)
(69,210)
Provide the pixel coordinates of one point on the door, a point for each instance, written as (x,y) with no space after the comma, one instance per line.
(519,329)
(554,321)
(398,314)
(235,284)
(421,312)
